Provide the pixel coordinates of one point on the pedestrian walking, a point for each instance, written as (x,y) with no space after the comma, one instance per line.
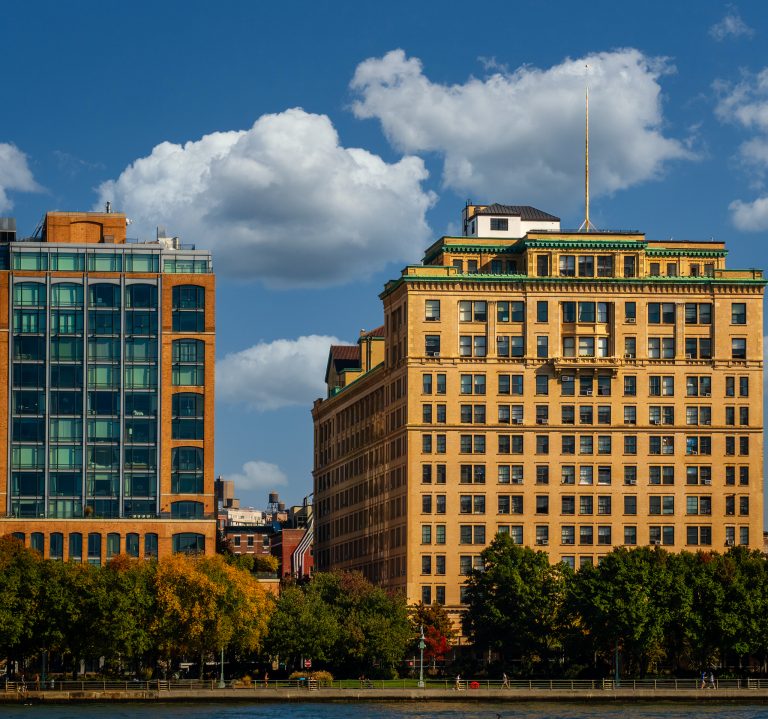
(505,681)
(458,682)
(704,679)
(712,684)
(266,679)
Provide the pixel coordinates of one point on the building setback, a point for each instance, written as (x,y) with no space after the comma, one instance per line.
(107,365)
(577,390)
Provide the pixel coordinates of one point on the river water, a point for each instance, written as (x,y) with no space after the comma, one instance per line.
(388,710)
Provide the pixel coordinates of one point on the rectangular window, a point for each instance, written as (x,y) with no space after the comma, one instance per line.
(432,345)
(567,265)
(542,311)
(738,313)
(432,310)
(586,266)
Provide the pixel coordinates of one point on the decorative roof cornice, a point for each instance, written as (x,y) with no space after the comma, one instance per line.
(572,281)
(664,252)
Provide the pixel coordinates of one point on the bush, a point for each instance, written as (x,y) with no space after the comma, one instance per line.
(323,678)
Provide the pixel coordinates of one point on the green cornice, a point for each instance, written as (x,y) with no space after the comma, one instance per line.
(664,252)
(556,244)
(526,279)
(520,245)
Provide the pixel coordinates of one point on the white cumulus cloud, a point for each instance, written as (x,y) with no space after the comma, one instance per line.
(257,475)
(283,202)
(15,174)
(271,375)
(745,104)
(518,136)
(732,25)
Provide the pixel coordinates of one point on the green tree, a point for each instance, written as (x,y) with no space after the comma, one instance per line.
(514,605)
(341,620)
(625,603)
(303,624)
(21,588)
(128,610)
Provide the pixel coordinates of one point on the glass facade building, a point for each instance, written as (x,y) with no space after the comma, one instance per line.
(110,393)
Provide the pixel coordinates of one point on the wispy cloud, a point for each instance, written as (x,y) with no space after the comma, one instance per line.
(745,104)
(731,26)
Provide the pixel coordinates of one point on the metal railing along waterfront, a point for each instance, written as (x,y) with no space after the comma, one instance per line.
(309,684)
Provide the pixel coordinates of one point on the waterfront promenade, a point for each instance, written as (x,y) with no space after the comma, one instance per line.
(681,690)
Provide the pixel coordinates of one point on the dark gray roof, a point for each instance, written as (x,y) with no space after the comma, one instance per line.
(524,212)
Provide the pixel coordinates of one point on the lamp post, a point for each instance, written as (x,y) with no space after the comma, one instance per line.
(222,685)
(421,658)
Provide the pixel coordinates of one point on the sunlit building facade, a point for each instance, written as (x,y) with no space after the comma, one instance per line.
(576,390)
(107,354)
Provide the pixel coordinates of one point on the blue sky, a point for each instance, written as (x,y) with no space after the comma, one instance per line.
(318,147)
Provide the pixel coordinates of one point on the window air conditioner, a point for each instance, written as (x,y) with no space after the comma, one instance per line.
(706,481)
(517,420)
(706,421)
(729,542)
(542,542)
(655,421)
(542,421)
(631,481)
(655,542)
(432,319)
(688,356)
(433,354)
(630,320)
(707,394)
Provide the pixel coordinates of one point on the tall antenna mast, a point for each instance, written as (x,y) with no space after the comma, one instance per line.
(586,226)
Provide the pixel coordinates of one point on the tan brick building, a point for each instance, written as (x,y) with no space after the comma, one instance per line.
(577,390)
(106,402)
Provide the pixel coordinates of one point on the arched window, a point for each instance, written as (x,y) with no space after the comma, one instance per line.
(75,547)
(113,544)
(29,297)
(94,548)
(188,543)
(132,544)
(29,294)
(66,294)
(188,308)
(140,296)
(104,309)
(150,546)
(104,294)
(187,472)
(20,536)
(141,312)
(188,363)
(37,542)
(187,415)
(187,510)
(56,544)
